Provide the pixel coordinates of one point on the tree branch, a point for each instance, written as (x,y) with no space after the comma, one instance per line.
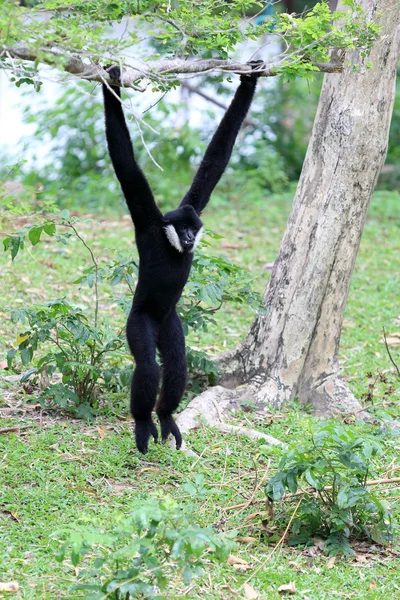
(150,70)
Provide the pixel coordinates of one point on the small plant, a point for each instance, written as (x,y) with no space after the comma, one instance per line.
(140,553)
(78,350)
(337,502)
(379,385)
(75,344)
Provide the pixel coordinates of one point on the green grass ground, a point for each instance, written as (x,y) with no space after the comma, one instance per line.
(54,470)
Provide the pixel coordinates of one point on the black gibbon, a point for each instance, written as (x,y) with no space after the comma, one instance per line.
(165,244)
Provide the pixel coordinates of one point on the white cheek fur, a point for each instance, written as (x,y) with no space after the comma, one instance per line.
(197,239)
(173,237)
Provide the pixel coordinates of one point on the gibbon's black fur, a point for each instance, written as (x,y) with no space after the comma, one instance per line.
(165,244)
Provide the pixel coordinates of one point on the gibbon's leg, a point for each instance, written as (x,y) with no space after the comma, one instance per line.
(141,333)
(171,344)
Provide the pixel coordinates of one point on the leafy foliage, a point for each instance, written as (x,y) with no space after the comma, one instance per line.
(19,199)
(393,155)
(292,108)
(177,30)
(288,115)
(337,503)
(213,281)
(140,553)
(73,127)
(78,350)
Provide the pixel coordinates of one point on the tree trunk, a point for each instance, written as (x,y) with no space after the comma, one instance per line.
(292,350)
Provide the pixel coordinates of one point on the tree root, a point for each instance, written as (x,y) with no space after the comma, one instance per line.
(213,408)
(253,434)
(329,396)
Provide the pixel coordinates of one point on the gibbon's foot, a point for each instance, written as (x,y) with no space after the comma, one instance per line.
(143,431)
(168,426)
(114,72)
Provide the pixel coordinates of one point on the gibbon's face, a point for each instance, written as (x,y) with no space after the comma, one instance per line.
(183,229)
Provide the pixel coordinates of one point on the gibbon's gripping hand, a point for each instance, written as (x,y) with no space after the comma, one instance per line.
(252,76)
(168,426)
(114,73)
(143,431)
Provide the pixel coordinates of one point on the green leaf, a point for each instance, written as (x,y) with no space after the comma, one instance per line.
(275,487)
(14,243)
(10,357)
(75,557)
(367,449)
(312,480)
(26,355)
(343,497)
(27,374)
(187,575)
(50,227)
(34,234)
(291,481)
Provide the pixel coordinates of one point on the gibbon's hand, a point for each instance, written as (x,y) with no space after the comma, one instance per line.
(253,75)
(114,72)
(168,426)
(143,431)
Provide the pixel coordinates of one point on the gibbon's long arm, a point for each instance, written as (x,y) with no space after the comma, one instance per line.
(220,148)
(136,189)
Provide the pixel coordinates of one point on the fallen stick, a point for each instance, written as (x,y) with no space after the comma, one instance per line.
(302,492)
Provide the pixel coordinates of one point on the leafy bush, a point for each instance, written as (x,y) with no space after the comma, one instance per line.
(140,553)
(78,350)
(19,199)
(393,155)
(389,177)
(337,503)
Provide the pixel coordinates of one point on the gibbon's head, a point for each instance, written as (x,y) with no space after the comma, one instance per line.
(183,228)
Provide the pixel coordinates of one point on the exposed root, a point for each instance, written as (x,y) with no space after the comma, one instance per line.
(203,408)
(253,434)
(273,393)
(213,408)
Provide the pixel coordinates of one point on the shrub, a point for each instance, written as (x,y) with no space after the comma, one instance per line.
(337,503)
(140,553)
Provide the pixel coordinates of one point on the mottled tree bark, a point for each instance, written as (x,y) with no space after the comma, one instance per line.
(292,350)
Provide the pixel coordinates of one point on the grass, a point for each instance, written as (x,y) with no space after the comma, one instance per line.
(55,470)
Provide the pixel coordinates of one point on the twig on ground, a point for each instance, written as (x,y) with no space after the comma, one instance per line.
(390,354)
(13,429)
(278,544)
(255,490)
(251,433)
(310,490)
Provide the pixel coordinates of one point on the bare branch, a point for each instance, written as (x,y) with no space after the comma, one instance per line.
(193,89)
(150,70)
